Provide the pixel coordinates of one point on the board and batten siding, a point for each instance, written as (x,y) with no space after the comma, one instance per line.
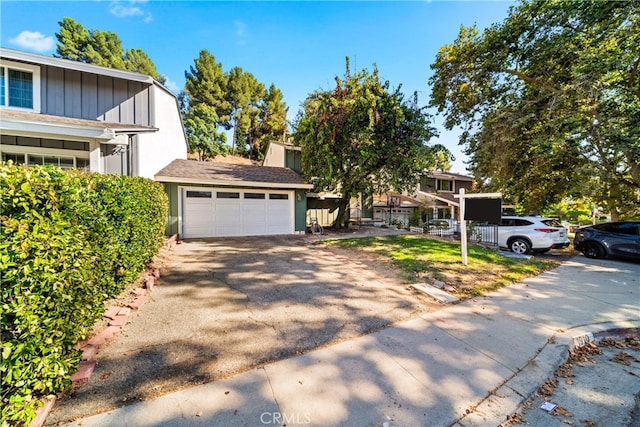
(81,95)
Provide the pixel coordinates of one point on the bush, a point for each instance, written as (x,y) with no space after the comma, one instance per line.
(69,241)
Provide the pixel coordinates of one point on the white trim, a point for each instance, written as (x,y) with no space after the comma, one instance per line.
(35,71)
(28,127)
(240,184)
(435,196)
(25,149)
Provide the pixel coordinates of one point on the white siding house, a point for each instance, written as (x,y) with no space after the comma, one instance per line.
(76,115)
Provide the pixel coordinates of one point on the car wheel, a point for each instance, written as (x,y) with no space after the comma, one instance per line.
(593,250)
(520,246)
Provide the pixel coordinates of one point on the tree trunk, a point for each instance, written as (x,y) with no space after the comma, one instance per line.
(342,218)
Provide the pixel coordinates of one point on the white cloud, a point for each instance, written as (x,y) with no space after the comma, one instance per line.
(241,28)
(241,32)
(148,18)
(33,40)
(126,9)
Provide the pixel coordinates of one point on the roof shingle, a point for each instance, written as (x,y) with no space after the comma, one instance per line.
(230,174)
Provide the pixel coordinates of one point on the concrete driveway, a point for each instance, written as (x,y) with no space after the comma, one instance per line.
(226,305)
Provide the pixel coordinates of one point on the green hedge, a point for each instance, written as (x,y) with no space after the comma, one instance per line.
(69,241)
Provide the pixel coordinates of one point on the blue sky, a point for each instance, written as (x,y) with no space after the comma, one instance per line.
(298,46)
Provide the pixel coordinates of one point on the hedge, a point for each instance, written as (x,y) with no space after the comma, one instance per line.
(69,241)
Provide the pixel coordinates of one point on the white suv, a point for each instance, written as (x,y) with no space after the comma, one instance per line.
(526,234)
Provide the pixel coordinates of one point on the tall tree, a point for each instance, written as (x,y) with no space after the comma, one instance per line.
(244,93)
(550,102)
(102,48)
(206,83)
(363,137)
(271,123)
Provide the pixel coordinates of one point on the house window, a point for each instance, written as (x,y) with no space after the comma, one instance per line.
(63,162)
(20,86)
(427,184)
(445,185)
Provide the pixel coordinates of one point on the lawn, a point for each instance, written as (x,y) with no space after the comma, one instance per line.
(425,259)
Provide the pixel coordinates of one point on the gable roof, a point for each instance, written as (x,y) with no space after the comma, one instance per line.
(380,200)
(213,173)
(33,58)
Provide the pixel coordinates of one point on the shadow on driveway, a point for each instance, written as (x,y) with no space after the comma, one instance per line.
(227,305)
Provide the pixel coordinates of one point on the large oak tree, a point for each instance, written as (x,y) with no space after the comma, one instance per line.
(364,137)
(549,101)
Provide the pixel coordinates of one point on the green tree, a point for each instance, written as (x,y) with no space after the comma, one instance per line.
(102,48)
(202,135)
(206,107)
(272,122)
(549,101)
(363,137)
(206,83)
(244,93)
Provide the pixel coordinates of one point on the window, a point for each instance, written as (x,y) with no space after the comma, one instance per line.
(273,196)
(30,159)
(254,196)
(427,184)
(225,195)
(20,86)
(445,185)
(199,194)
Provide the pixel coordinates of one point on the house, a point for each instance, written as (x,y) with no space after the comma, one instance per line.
(323,206)
(212,199)
(76,115)
(435,194)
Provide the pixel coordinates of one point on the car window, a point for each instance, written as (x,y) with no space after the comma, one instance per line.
(625,228)
(552,222)
(507,222)
(522,222)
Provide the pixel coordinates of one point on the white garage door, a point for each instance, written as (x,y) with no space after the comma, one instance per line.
(218,212)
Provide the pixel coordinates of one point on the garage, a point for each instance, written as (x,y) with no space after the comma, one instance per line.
(209,199)
(220,212)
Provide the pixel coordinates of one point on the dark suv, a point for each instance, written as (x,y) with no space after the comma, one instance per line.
(609,239)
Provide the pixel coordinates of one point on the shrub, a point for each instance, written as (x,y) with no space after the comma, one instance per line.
(69,241)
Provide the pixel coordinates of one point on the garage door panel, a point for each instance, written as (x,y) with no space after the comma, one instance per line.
(236,212)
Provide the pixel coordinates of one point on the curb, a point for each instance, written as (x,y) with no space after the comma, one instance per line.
(507,398)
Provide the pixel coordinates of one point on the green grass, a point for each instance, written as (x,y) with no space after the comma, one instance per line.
(425,259)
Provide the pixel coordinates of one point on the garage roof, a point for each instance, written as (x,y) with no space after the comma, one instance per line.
(195,172)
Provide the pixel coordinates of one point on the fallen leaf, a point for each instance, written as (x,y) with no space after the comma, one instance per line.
(106,375)
(569,381)
(566,421)
(561,411)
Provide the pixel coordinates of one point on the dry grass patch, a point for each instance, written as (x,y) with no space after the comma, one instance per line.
(425,259)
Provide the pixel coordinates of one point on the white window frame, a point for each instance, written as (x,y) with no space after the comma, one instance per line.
(35,72)
(50,152)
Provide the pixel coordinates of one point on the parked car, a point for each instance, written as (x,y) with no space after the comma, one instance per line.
(526,234)
(609,239)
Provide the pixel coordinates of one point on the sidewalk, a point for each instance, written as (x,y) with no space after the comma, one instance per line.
(468,365)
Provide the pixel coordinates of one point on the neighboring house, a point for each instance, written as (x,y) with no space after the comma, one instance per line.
(435,194)
(393,208)
(76,115)
(322,206)
(209,199)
